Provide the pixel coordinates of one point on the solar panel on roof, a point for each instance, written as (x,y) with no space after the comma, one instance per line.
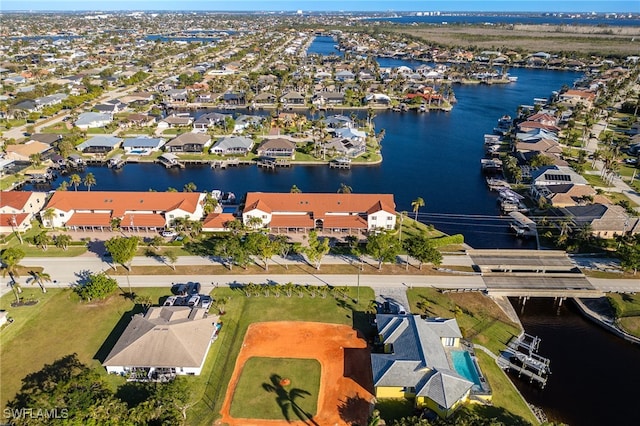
(564,178)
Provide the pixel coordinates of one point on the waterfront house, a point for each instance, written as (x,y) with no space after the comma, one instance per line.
(165,342)
(556,175)
(175,121)
(293,98)
(565,195)
(191,142)
(92,120)
(325,212)
(338,121)
(344,147)
(377,99)
(176,95)
(18,208)
(234,98)
(232,145)
(265,98)
(277,148)
(416,361)
(572,97)
(206,121)
(246,121)
(605,220)
(140,211)
(101,144)
(142,145)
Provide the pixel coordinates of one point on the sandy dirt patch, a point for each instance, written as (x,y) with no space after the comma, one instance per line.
(346,386)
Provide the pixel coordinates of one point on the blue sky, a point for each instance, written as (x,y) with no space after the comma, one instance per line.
(330,5)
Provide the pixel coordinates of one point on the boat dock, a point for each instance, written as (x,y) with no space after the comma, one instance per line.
(340,163)
(520,356)
(272,163)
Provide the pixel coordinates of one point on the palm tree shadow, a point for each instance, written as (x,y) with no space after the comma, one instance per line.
(287,400)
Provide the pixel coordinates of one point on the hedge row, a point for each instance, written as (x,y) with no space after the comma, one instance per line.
(448,240)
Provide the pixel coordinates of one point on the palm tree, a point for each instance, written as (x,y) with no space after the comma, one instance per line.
(40,278)
(89,181)
(345,189)
(416,204)
(62,241)
(48,215)
(11,258)
(75,180)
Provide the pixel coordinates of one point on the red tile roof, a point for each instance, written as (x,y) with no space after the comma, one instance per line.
(318,204)
(7,219)
(217,220)
(143,220)
(345,222)
(15,199)
(119,202)
(291,221)
(89,219)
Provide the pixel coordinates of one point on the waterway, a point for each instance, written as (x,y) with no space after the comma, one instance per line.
(594,375)
(433,155)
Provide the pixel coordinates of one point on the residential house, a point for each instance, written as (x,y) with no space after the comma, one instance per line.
(293,98)
(345,147)
(18,208)
(573,97)
(112,107)
(23,151)
(101,144)
(164,342)
(48,138)
(350,133)
(140,120)
(176,95)
(325,212)
(416,361)
(338,121)
(245,121)
(206,121)
(264,98)
(50,100)
(328,97)
(556,175)
(565,195)
(238,98)
(189,142)
(604,220)
(96,210)
(92,120)
(175,121)
(142,145)
(232,145)
(277,148)
(28,105)
(377,99)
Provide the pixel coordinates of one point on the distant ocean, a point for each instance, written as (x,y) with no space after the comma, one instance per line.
(629,19)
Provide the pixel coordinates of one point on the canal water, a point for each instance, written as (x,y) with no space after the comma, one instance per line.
(433,155)
(595,375)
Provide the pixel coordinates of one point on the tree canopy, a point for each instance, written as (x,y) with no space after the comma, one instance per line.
(383,246)
(72,393)
(98,286)
(122,249)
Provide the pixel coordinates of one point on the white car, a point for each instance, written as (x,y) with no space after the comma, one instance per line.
(169,233)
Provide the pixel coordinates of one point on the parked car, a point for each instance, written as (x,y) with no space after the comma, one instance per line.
(169,233)
(170,301)
(206,301)
(194,301)
(179,289)
(193,288)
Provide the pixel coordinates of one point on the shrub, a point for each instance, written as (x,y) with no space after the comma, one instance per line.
(98,286)
(448,240)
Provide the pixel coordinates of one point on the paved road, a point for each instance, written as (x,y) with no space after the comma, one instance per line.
(68,271)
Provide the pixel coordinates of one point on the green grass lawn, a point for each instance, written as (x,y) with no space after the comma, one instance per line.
(595,180)
(59,324)
(260,395)
(240,313)
(627,309)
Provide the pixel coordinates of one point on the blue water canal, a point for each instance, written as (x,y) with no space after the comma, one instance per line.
(433,155)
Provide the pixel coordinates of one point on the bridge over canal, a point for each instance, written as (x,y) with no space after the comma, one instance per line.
(531,273)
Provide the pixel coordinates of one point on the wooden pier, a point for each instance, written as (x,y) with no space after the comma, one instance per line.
(223,164)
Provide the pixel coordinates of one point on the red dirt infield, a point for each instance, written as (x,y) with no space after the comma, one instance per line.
(345,394)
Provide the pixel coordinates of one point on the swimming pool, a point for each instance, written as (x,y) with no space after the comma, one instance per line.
(465,366)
